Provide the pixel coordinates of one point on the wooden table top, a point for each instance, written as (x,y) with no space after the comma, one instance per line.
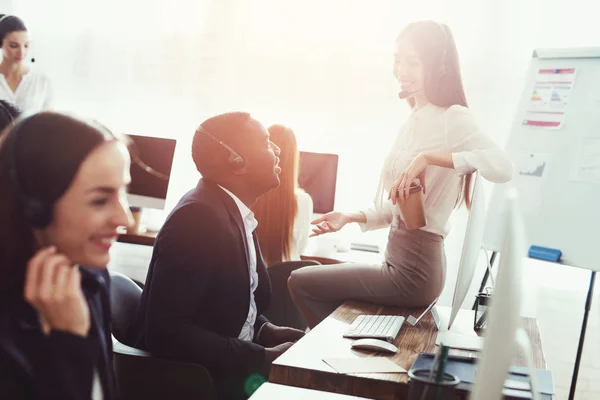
(142,238)
(302,364)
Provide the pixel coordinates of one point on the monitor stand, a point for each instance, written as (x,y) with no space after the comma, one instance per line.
(137,227)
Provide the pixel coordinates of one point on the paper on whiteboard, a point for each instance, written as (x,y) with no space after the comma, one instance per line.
(550,97)
(586,167)
(529,180)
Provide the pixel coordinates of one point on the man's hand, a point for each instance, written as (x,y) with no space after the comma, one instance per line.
(271,335)
(271,353)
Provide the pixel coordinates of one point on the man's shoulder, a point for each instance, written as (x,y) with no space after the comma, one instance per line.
(200,200)
(199,208)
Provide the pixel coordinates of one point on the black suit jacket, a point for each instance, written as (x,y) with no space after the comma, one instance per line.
(59,365)
(197,292)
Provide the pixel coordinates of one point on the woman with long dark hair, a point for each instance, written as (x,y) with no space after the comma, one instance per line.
(441,145)
(63,198)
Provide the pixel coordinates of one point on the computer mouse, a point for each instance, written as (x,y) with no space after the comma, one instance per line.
(374,345)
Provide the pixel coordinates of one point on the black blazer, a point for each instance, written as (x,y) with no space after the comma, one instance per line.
(197,291)
(59,365)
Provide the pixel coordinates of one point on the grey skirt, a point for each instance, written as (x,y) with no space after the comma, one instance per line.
(412,275)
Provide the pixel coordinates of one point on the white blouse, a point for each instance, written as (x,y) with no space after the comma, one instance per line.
(302,227)
(33,94)
(451,130)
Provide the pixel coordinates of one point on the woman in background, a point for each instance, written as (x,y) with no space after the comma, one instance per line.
(62,201)
(441,145)
(20,83)
(284,214)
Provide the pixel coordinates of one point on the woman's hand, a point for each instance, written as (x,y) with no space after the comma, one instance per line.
(415,171)
(330,222)
(53,288)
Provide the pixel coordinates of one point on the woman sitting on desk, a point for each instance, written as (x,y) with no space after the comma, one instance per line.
(284,214)
(63,197)
(20,84)
(441,146)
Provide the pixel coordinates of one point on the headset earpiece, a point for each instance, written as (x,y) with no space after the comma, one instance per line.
(235,159)
(37,212)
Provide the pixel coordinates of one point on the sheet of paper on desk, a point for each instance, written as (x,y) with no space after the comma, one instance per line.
(461,335)
(459,341)
(364,365)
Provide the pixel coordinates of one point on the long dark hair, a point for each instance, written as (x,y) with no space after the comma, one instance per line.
(8,24)
(443,87)
(45,159)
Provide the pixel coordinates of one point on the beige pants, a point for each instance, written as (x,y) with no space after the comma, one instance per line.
(412,275)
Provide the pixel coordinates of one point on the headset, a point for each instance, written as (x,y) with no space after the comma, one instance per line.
(235,159)
(36,211)
(6,17)
(442,71)
(445,51)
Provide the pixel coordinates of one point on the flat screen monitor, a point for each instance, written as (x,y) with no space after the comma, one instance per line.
(151,163)
(318,177)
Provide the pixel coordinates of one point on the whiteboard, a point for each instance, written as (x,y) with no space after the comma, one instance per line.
(559,211)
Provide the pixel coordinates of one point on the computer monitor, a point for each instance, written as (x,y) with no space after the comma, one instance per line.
(505,307)
(471,247)
(318,177)
(151,163)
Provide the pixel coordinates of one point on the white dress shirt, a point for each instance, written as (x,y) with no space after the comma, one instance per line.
(33,94)
(431,128)
(250,224)
(301,224)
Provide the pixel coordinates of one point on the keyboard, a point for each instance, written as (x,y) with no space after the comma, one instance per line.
(385,327)
(373,248)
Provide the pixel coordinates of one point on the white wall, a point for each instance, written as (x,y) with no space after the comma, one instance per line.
(322,67)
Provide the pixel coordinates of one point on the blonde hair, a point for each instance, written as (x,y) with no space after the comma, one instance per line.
(276,210)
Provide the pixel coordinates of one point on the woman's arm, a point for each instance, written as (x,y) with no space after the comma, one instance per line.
(472,150)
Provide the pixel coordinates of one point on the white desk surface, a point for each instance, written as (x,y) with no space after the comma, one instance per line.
(336,246)
(269,391)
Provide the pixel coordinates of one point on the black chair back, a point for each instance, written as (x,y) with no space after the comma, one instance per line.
(125,297)
(282,310)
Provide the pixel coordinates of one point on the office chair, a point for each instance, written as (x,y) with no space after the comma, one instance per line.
(139,374)
(282,310)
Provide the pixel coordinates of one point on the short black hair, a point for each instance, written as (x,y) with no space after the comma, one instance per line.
(9,24)
(8,113)
(225,127)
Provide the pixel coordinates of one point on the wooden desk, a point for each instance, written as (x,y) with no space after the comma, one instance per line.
(145,238)
(302,364)
(271,391)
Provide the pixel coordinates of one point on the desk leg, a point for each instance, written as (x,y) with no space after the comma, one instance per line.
(486,275)
(588,305)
